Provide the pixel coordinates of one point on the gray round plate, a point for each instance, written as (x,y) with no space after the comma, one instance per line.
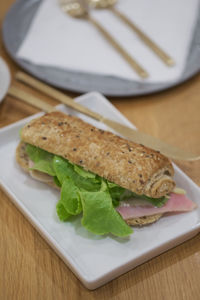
(15,27)
(4,79)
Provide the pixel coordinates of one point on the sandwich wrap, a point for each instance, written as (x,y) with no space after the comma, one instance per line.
(101,175)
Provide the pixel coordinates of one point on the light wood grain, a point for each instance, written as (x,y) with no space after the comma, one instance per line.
(29,267)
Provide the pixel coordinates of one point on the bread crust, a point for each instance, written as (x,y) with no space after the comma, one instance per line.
(23,161)
(130,165)
(141,221)
(22,157)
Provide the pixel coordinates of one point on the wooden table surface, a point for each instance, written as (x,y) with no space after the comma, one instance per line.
(30,269)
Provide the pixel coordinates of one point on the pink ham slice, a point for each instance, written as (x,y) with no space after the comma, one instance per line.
(176,203)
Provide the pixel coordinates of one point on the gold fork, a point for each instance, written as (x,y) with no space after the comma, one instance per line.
(110,4)
(79,9)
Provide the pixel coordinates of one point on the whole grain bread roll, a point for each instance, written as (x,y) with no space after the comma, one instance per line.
(130,165)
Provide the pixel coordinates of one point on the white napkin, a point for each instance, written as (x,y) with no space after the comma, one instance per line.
(56,39)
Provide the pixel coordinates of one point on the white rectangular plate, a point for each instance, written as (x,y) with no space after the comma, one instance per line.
(94,259)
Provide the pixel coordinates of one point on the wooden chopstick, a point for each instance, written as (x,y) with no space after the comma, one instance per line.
(47,90)
(30,99)
(127,132)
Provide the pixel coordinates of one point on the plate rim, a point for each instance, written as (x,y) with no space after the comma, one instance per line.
(131,87)
(6,74)
(94,282)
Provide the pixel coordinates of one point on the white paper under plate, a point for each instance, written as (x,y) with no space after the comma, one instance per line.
(94,259)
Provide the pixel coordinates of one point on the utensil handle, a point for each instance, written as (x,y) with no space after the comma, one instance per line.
(151,142)
(44,88)
(132,62)
(28,98)
(125,131)
(149,42)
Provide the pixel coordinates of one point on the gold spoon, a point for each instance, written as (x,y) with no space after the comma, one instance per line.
(79,9)
(110,4)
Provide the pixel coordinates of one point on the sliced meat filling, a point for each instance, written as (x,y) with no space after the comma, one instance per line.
(135,208)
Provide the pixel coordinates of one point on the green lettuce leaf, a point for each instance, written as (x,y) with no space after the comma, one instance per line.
(43,160)
(56,181)
(83,173)
(70,197)
(126,194)
(64,170)
(87,193)
(99,215)
(116,191)
(158,202)
(61,212)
